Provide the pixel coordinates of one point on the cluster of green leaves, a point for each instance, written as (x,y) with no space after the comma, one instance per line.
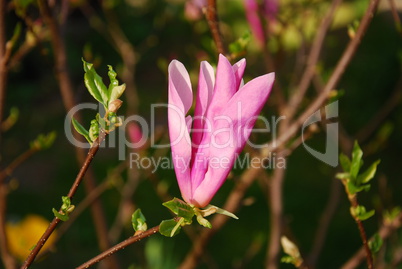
(65,210)
(43,141)
(184,216)
(107,96)
(354,181)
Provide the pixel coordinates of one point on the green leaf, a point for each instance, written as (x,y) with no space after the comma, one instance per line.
(169,228)
(43,141)
(345,162)
(361,213)
(94,84)
(352,188)
(138,221)
(240,45)
(356,163)
(63,217)
(180,208)
(115,90)
(221,211)
(81,130)
(375,243)
(368,174)
(204,222)
(392,214)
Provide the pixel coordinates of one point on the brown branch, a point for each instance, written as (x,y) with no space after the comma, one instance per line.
(395,15)
(213,23)
(362,231)
(333,80)
(276,205)
(119,246)
(52,226)
(8,260)
(312,60)
(387,228)
(68,100)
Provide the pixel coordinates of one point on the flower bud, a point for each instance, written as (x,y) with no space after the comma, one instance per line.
(115,105)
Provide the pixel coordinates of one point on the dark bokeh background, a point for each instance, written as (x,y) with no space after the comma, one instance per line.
(160,32)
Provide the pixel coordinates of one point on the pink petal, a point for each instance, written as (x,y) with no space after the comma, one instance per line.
(204,94)
(238,69)
(180,101)
(231,131)
(225,86)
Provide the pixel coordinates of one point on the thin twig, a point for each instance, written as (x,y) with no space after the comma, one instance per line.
(67,93)
(91,153)
(276,206)
(312,60)
(333,80)
(6,257)
(118,247)
(213,22)
(387,228)
(395,15)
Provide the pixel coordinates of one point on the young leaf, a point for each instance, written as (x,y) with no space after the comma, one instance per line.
(361,213)
(221,211)
(94,84)
(367,175)
(168,226)
(115,90)
(356,163)
(63,217)
(345,162)
(180,208)
(204,222)
(375,243)
(138,221)
(80,129)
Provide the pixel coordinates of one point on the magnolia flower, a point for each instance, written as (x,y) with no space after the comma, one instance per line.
(269,9)
(224,115)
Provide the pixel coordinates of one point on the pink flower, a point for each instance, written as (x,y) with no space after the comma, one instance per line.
(269,10)
(224,115)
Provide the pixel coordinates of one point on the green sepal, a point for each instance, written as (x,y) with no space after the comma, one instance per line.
(357,162)
(169,227)
(375,243)
(81,130)
(361,213)
(63,217)
(43,141)
(180,208)
(138,221)
(95,85)
(115,90)
(367,175)
(204,222)
(214,209)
